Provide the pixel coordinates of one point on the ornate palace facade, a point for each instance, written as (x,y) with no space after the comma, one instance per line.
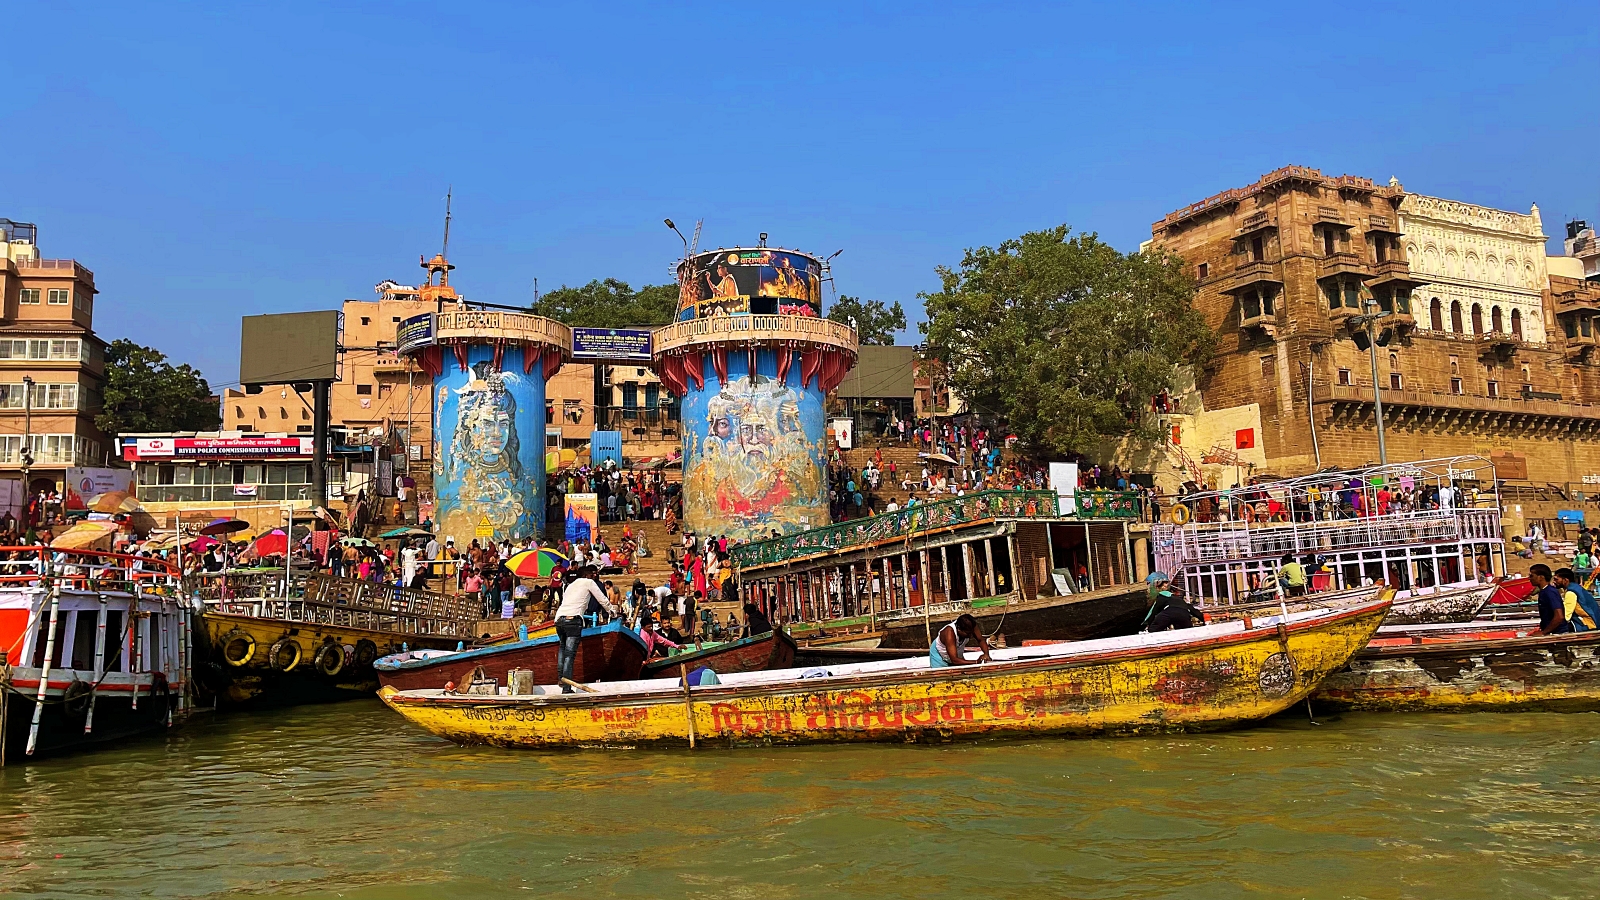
(1483,355)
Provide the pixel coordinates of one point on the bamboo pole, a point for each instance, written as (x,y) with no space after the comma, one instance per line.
(44,672)
(688,701)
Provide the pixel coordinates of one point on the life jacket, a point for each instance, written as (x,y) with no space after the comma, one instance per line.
(1586,615)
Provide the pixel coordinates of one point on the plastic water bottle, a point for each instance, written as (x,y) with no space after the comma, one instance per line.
(522,632)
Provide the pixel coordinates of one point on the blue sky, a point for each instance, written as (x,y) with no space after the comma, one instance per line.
(212,161)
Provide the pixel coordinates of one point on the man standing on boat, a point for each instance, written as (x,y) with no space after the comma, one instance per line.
(950,644)
(582,596)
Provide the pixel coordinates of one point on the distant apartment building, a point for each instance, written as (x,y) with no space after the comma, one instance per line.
(47,340)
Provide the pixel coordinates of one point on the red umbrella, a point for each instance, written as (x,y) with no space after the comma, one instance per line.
(273,543)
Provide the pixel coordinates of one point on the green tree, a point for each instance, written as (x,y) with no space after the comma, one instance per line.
(874,322)
(610,304)
(1064,336)
(144,392)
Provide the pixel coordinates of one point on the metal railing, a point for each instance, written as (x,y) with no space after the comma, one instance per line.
(978,507)
(765,327)
(1182,545)
(346,602)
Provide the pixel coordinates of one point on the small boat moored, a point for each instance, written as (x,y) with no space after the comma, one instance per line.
(610,652)
(1455,670)
(757,653)
(1207,677)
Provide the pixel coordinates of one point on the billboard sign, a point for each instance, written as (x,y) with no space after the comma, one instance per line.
(415,332)
(611,344)
(83,484)
(289,347)
(583,517)
(757,280)
(215,448)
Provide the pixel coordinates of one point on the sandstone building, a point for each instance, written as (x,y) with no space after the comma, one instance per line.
(1488,353)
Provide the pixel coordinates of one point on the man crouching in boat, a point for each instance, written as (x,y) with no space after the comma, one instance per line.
(582,596)
(950,644)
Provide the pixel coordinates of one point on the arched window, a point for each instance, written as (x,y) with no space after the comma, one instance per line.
(283,413)
(1455,316)
(1436,314)
(1497,321)
(1516,322)
(1477,318)
(1394,360)
(261,412)
(238,411)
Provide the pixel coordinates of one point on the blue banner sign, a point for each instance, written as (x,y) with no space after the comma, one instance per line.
(611,344)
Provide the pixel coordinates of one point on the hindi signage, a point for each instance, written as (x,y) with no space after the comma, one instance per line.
(612,344)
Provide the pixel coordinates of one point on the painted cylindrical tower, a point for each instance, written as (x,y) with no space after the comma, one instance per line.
(489,370)
(753,361)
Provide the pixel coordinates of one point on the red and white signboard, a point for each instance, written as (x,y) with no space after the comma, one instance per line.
(215,448)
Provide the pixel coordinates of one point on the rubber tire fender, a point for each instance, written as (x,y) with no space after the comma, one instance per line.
(330,659)
(278,649)
(227,641)
(366,654)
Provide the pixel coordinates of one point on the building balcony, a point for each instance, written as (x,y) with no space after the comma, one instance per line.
(1254,272)
(1377,224)
(1343,263)
(1580,347)
(1330,215)
(1499,341)
(389,365)
(1392,272)
(1257,222)
(61,268)
(1585,300)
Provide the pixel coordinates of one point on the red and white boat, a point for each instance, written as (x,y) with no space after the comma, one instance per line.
(94,648)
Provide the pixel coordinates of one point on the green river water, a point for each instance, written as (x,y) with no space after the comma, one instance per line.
(350,801)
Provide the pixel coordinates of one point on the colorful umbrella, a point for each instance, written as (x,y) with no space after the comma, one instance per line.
(224,526)
(113,502)
(407,531)
(84,534)
(273,543)
(356,542)
(537,563)
(200,543)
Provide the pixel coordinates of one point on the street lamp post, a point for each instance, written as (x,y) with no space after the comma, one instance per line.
(1371,323)
(27,444)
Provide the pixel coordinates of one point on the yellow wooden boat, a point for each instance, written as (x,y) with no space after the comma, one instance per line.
(1206,677)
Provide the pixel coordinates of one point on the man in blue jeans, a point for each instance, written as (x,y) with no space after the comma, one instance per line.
(581,597)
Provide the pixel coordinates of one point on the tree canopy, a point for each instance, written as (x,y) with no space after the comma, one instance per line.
(1063,335)
(874,322)
(610,304)
(144,392)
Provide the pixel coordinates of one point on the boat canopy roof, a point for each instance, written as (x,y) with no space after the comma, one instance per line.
(1449,470)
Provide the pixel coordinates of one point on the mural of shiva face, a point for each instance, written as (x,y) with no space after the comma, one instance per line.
(754,460)
(483,469)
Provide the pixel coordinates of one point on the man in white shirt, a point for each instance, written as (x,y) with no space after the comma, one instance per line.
(581,596)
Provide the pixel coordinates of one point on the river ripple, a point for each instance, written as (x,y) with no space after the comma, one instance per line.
(349,801)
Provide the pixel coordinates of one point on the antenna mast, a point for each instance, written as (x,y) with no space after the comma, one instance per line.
(449,192)
(695,244)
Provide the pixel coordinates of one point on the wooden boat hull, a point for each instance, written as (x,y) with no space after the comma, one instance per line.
(1492,670)
(258,684)
(1445,606)
(1220,676)
(607,653)
(773,650)
(1071,618)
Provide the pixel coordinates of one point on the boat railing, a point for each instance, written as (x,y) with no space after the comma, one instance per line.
(351,603)
(1181,545)
(955,511)
(86,570)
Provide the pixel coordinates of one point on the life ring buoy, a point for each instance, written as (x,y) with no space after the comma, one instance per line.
(330,659)
(366,654)
(284,655)
(1180,514)
(238,647)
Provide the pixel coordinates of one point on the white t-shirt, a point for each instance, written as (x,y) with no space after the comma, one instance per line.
(575,600)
